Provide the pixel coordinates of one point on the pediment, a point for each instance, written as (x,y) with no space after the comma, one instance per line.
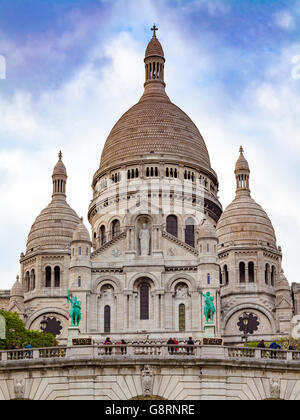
(284,303)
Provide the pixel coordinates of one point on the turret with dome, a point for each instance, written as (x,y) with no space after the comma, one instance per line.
(45,265)
(250,263)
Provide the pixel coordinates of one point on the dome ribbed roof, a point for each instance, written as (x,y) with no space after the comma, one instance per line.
(207,230)
(59,168)
(241,163)
(155,126)
(154,48)
(54,227)
(81,233)
(17,289)
(245,222)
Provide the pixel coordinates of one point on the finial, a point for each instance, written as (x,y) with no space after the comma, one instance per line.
(17,278)
(241,149)
(154,29)
(60,155)
(81,218)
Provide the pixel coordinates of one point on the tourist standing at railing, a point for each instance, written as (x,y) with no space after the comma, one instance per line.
(175,342)
(171,345)
(190,342)
(261,344)
(108,343)
(292,346)
(274,346)
(123,349)
(29,353)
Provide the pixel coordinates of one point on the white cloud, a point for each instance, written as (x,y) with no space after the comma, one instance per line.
(284,20)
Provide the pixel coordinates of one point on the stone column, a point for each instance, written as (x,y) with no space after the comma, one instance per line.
(168,310)
(195,310)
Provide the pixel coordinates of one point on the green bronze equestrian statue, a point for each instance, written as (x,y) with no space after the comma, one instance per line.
(209,307)
(75,311)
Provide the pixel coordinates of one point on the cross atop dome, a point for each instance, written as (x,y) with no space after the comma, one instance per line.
(154,29)
(60,155)
(241,149)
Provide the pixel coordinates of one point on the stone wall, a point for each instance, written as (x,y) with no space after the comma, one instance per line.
(212,372)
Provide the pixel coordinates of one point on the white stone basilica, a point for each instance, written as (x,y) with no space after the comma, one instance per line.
(159,239)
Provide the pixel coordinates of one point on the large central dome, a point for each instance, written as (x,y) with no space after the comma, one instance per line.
(155,127)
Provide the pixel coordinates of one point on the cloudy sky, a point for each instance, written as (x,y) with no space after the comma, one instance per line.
(73,67)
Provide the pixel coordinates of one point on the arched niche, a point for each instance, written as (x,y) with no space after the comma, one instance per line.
(143,235)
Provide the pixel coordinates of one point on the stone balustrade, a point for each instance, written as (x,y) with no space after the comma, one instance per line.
(151,351)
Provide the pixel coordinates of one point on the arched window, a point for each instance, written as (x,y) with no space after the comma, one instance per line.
(220,276)
(190,232)
(226,274)
(79,281)
(181,316)
(115,228)
(32,279)
(144,301)
(172,225)
(242,272)
(102,235)
(56,276)
(107,319)
(267,273)
(27,281)
(273,275)
(48,277)
(251,272)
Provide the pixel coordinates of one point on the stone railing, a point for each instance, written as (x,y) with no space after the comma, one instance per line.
(26,354)
(150,351)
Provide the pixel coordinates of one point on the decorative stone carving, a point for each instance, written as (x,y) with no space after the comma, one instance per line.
(144,237)
(182,291)
(19,388)
(275,388)
(107,292)
(171,252)
(116,253)
(147,380)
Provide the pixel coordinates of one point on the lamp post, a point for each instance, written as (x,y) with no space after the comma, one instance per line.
(245,324)
(43,327)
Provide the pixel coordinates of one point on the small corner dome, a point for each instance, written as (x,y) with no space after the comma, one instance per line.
(59,168)
(242,163)
(154,48)
(207,230)
(17,289)
(81,233)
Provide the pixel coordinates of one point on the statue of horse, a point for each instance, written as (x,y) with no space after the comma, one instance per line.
(75,311)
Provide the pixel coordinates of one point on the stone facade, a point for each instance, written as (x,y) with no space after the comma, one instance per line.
(212,373)
(159,240)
